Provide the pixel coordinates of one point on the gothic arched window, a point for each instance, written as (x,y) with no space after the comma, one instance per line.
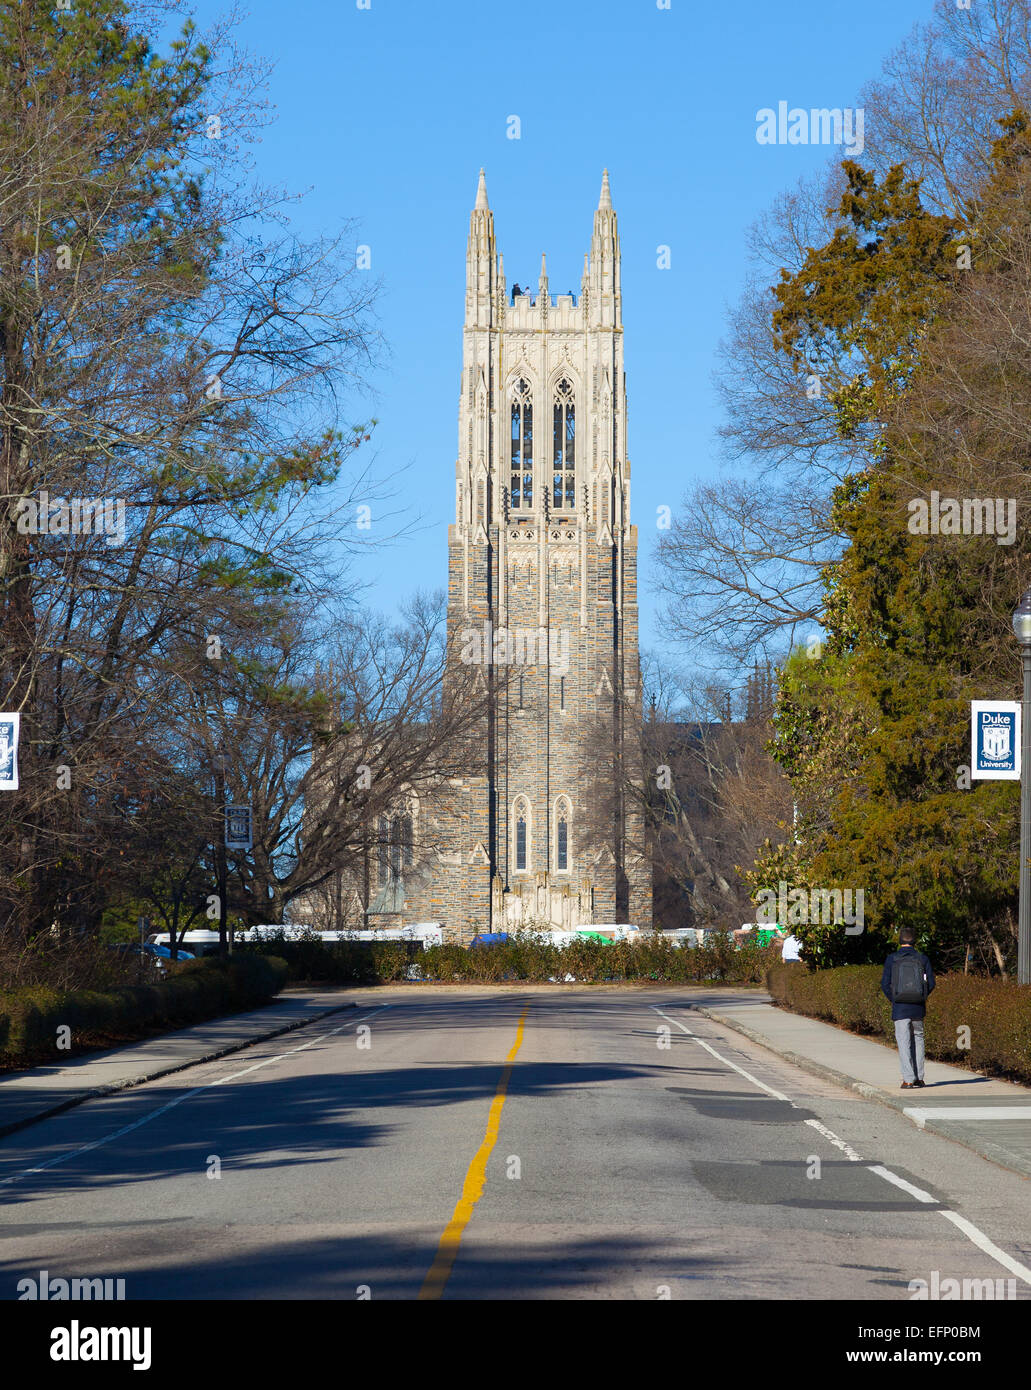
(563,815)
(522,833)
(383,848)
(395,846)
(564,451)
(522,445)
(562,846)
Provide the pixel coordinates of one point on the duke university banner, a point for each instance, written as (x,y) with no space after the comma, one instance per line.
(995,740)
(9,727)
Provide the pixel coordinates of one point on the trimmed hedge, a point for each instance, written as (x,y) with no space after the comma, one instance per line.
(341,962)
(524,958)
(31,1017)
(993,1015)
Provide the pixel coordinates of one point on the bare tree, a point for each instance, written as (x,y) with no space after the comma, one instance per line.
(738,588)
(709,793)
(329,737)
(167,373)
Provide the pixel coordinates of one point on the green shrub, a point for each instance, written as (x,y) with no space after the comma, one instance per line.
(526,956)
(31,1016)
(96,1011)
(338,962)
(33,1019)
(253,978)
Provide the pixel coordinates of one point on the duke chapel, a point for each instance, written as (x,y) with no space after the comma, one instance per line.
(542,598)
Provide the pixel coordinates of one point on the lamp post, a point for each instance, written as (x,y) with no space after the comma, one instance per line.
(1022,629)
(225,936)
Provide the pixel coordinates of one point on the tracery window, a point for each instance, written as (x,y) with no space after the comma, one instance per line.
(564,447)
(383,847)
(563,815)
(522,446)
(395,846)
(522,833)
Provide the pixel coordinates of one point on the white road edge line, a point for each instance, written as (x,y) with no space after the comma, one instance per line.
(989,1247)
(973,1233)
(725,1060)
(846,1149)
(153,1114)
(917,1192)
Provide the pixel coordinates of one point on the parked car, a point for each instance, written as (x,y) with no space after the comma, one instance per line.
(148,956)
(163,952)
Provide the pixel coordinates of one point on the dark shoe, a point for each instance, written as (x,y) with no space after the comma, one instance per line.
(921,1082)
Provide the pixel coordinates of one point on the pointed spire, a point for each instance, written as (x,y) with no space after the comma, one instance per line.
(605,297)
(544,267)
(480,261)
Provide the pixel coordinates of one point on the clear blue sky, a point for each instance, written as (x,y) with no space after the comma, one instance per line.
(387,114)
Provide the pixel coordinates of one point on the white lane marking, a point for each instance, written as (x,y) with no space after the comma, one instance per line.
(777,1095)
(922,1113)
(917,1192)
(973,1233)
(988,1246)
(846,1149)
(170,1105)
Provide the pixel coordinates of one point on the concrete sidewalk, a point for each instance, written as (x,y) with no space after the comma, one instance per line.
(29,1096)
(991,1117)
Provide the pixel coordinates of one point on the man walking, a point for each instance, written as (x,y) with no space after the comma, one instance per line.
(906,982)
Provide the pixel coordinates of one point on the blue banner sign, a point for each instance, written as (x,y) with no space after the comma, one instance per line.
(238,827)
(995,740)
(9,729)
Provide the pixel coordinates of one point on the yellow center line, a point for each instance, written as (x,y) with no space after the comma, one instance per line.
(475,1181)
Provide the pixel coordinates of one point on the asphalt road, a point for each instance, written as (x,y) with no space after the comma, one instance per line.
(504,1144)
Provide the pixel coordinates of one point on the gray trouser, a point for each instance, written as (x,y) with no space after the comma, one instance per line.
(909,1034)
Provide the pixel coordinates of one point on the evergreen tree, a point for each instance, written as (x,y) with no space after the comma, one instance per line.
(875,736)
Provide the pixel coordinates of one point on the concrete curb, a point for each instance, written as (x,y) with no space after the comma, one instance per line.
(159,1072)
(983,1147)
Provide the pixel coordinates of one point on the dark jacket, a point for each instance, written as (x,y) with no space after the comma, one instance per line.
(905,1010)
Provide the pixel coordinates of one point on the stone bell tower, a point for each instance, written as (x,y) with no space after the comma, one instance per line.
(542,595)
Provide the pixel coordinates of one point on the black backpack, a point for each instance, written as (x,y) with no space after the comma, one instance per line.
(908,985)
